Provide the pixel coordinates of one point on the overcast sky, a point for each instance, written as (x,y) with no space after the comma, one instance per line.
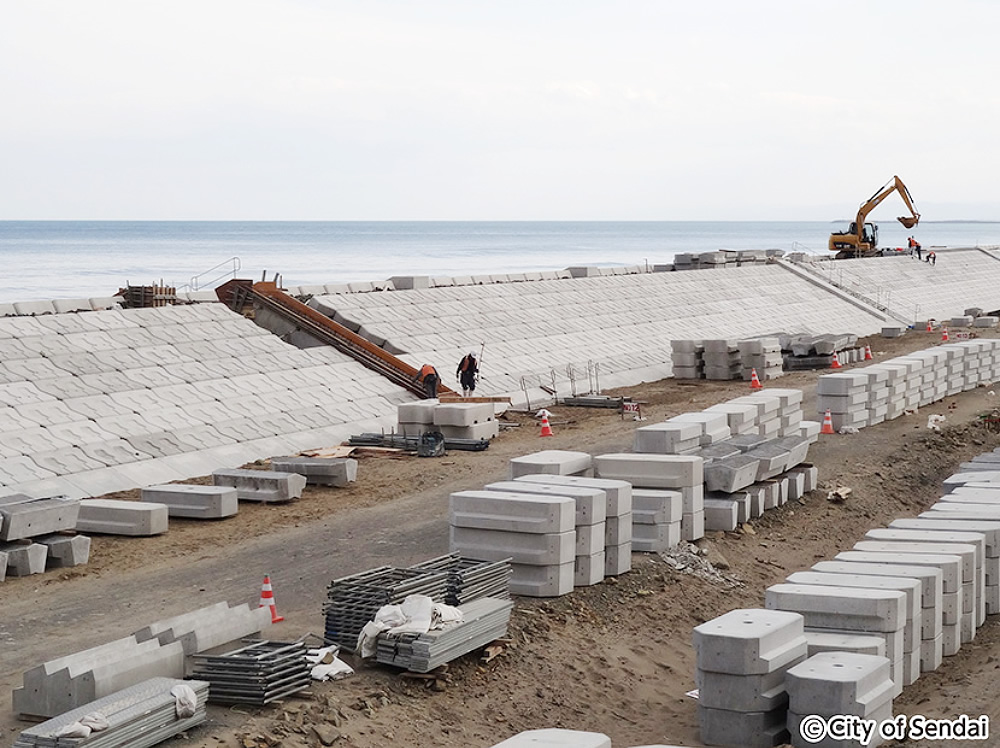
(549,109)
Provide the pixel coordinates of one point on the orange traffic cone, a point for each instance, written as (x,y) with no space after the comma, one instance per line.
(944,334)
(827,427)
(835,364)
(930,327)
(267,600)
(546,428)
(868,353)
(755,381)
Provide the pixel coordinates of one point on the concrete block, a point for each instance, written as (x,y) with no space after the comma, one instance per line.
(550,462)
(732,473)
(118,517)
(321,471)
(721,514)
(65,550)
(261,485)
(656,506)
(556,738)
(750,641)
(617,492)
(591,503)
(692,526)
(3,565)
(590,539)
(589,570)
(772,460)
(463,414)
(617,559)
(745,729)
(651,470)
(742,693)
(824,641)
(512,512)
(857,609)
(531,580)
(208,627)
(832,683)
(39,517)
(484,430)
(655,538)
(529,549)
(24,558)
(667,438)
(192,501)
(965,572)
(618,530)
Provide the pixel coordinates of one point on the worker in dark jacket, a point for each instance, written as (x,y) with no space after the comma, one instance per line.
(429,377)
(467,373)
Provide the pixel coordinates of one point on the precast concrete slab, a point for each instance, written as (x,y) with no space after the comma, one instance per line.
(730,474)
(531,549)
(824,641)
(556,738)
(530,580)
(669,437)
(591,503)
(24,558)
(40,517)
(65,550)
(652,470)
(745,729)
(855,609)
(772,459)
(194,501)
(832,683)
(551,462)
(266,486)
(509,511)
(741,693)
(463,414)
(721,515)
(655,538)
(750,641)
(119,517)
(324,471)
(617,492)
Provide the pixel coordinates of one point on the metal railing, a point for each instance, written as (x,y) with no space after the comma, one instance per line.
(196,283)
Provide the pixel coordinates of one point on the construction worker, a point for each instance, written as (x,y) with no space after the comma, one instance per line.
(429,377)
(931,258)
(467,373)
(915,247)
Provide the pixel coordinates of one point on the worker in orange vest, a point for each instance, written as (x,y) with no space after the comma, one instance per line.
(467,373)
(429,377)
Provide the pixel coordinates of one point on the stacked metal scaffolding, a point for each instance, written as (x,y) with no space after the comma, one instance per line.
(469,579)
(256,674)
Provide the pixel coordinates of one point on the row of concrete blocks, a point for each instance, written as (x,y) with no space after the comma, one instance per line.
(59,306)
(865,397)
(453,420)
(725,511)
(40,553)
(558,738)
(769,413)
(33,535)
(560,530)
(150,515)
(759,672)
(727,359)
(157,650)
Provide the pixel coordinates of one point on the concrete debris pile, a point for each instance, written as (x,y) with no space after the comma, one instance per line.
(867,396)
(143,714)
(36,534)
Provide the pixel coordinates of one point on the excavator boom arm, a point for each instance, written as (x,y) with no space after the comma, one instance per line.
(893,185)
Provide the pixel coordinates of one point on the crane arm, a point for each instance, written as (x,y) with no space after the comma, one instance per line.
(893,185)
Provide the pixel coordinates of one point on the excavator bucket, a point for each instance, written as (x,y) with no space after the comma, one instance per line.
(909,221)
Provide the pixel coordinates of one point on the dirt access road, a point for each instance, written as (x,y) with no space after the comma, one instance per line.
(614,658)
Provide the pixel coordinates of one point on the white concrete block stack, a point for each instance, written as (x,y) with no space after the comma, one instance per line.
(833,684)
(589,523)
(849,610)
(741,662)
(684,473)
(687,359)
(867,396)
(536,532)
(618,516)
(552,462)
(722,359)
(656,519)
(981,518)
(29,539)
(741,417)
(671,437)
(762,355)
(466,420)
(417,418)
(714,427)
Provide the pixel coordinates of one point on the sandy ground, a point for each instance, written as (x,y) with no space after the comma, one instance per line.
(614,658)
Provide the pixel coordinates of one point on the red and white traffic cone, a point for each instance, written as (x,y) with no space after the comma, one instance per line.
(868,353)
(267,600)
(546,428)
(944,334)
(755,381)
(827,427)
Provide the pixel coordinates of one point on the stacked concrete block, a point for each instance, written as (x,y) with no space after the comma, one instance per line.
(789,408)
(22,517)
(685,473)
(671,437)
(3,565)
(416,419)
(687,359)
(722,359)
(741,417)
(192,501)
(24,557)
(591,513)
(714,427)
(854,610)
(267,486)
(731,474)
(945,608)
(949,517)
(77,679)
(910,587)
(762,355)
(741,661)
(960,618)
(466,420)
(536,532)
(552,462)
(656,519)
(618,516)
(824,641)
(119,517)
(724,514)
(834,684)
(319,471)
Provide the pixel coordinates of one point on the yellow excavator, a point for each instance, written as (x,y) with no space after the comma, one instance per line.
(861,239)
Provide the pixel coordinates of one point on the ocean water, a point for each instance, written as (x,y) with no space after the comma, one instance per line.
(84,259)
